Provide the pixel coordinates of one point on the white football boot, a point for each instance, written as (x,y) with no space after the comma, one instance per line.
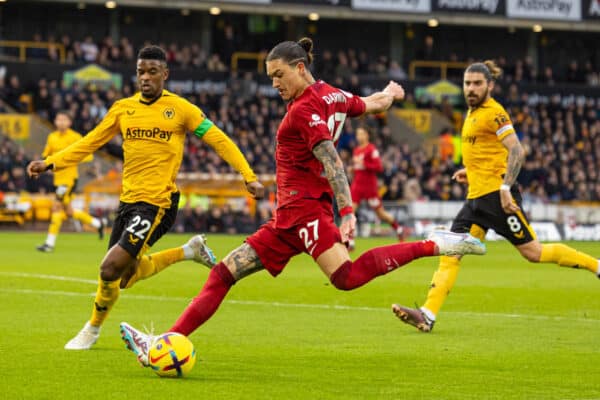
(85,339)
(137,342)
(202,253)
(456,244)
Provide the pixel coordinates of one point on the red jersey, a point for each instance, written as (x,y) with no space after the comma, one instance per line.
(317,114)
(367,165)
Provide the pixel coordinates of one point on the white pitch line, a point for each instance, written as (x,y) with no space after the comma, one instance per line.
(256,302)
(51,277)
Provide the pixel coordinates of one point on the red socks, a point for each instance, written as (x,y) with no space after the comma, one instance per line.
(350,275)
(204,305)
(379,261)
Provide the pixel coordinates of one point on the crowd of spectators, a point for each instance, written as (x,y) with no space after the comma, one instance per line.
(13,175)
(108,52)
(570,130)
(343,65)
(561,135)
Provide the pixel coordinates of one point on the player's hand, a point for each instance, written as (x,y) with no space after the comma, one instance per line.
(460,176)
(348,227)
(508,203)
(395,90)
(35,168)
(256,189)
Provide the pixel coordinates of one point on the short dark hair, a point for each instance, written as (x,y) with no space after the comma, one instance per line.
(293,52)
(152,52)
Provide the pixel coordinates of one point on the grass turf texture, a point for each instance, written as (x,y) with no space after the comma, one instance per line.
(510,330)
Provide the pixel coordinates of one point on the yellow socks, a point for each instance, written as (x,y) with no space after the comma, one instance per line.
(442,282)
(566,256)
(106,296)
(82,216)
(56,220)
(154,263)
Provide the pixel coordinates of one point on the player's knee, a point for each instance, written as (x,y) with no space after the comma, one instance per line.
(231,267)
(532,255)
(112,269)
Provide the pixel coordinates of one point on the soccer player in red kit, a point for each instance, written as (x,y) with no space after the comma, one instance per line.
(366,164)
(309,175)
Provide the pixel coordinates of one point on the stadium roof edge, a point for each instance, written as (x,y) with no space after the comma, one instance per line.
(348,13)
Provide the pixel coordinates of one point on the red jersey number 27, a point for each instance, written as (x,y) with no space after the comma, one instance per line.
(335,124)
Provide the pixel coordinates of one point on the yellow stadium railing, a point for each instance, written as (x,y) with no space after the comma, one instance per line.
(24,45)
(443,66)
(242,55)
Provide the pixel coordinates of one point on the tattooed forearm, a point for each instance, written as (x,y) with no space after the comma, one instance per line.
(243,261)
(514,163)
(334,172)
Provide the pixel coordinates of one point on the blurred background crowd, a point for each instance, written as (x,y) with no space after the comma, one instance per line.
(562,137)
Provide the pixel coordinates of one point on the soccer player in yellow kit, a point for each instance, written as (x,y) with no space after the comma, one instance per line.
(153,124)
(65,182)
(492,156)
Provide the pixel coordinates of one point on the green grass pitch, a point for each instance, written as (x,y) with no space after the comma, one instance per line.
(510,330)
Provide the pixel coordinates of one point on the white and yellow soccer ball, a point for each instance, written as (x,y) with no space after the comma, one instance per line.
(172,355)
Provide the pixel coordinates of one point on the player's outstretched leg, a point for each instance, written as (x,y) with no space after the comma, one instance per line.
(202,307)
(566,256)
(382,260)
(195,249)
(137,342)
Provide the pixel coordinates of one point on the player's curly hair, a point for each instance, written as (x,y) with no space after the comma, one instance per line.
(293,52)
(152,52)
(488,68)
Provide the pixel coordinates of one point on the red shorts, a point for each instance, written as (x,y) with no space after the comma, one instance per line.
(314,233)
(369,194)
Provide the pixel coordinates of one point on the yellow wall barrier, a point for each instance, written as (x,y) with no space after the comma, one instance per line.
(241,55)
(443,66)
(24,45)
(15,126)
(419,120)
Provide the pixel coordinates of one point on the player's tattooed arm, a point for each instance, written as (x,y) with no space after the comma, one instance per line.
(516,155)
(334,172)
(243,261)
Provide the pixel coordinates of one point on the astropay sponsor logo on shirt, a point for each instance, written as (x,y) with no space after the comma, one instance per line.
(544,9)
(470,6)
(417,6)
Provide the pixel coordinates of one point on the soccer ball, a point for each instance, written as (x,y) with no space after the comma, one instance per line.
(172,355)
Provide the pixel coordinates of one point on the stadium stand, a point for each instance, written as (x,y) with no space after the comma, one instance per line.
(564,125)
